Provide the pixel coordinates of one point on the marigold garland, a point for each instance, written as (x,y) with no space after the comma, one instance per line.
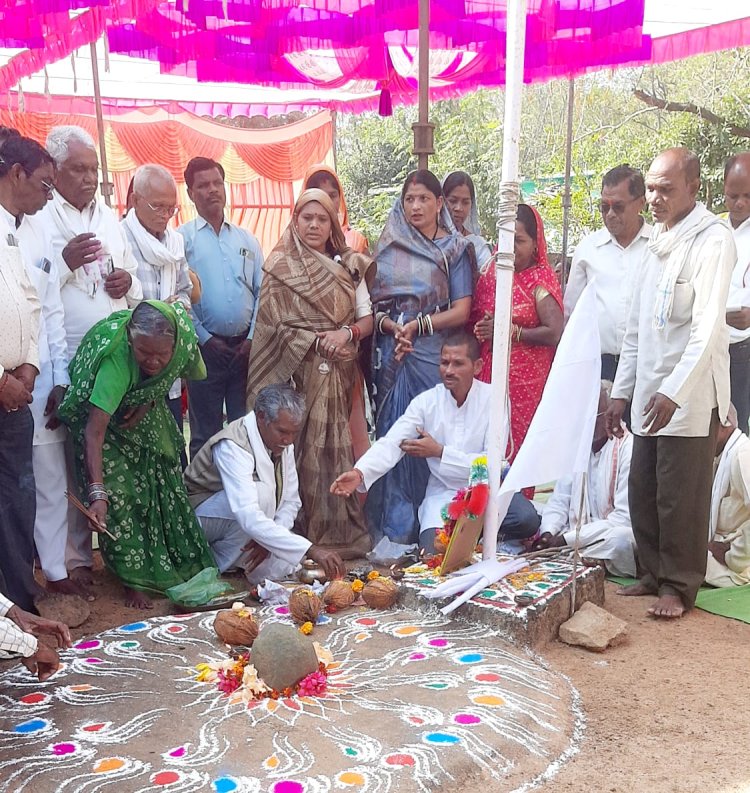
(469,502)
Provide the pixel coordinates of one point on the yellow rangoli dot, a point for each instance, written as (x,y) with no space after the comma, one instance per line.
(489,699)
(108,764)
(360,637)
(407,631)
(272,761)
(350,778)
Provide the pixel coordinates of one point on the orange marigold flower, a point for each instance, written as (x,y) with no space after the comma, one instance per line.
(306,628)
(357,586)
(372,575)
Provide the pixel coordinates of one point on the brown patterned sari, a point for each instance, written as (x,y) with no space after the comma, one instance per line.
(303,293)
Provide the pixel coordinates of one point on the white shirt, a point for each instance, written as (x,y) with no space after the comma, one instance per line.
(739,291)
(606,491)
(19,303)
(82,310)
(36,249)
(462,431)
(249,495)
(12,638)
(600,256)
(688,360)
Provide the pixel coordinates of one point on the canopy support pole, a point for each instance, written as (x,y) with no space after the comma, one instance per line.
(106,187)
(423,130)
(504,258)
(566,190)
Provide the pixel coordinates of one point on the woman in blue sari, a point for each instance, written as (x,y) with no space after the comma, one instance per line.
(423,285)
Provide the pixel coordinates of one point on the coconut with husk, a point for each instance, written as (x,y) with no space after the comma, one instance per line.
(339,595)
(381,593)
(304,605)
(236,627)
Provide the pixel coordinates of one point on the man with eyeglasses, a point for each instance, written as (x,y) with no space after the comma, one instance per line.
(97,275)
(228,260)
(26,170)
(737,200)
(159,250)
(611,255)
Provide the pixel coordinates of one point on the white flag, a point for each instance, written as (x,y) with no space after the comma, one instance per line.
(558,442)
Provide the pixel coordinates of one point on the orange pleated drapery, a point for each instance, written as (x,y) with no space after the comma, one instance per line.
(261,164)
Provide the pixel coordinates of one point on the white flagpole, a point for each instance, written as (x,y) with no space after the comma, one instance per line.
(514,62)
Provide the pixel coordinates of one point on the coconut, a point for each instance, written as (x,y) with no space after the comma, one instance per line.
(304,605)
(234,629)
(339,595)
(381,593)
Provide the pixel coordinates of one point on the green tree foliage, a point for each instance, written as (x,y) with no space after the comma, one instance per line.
(611,125)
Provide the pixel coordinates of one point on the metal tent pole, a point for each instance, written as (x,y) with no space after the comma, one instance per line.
(107,187)
(566,191)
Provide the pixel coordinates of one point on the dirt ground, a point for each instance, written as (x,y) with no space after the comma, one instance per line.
(665,712)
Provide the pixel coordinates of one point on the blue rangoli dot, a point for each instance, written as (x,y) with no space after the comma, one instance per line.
(437,686)
(33,725)
(224,784)
(441,737)
(470,658)
(134,626)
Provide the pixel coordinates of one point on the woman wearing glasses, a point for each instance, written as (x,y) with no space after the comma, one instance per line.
(159,251)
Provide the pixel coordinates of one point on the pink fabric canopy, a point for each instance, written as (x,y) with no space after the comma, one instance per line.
(362,49)
(327,43)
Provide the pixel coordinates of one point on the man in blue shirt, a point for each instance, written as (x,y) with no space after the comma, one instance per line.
(228,261)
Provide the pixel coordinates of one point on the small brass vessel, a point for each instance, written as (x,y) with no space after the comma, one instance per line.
(311,572)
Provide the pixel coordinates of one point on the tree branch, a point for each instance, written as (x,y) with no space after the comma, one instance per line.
(696,110)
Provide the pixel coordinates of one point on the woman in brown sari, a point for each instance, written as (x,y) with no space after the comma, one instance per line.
(314,309)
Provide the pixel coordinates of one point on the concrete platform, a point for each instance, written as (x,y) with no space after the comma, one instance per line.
(547,595)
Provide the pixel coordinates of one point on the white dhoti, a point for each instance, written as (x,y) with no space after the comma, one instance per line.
(51,524)
(79,550)
(226,539)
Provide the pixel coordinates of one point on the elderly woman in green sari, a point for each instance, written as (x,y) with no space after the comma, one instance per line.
(127,446)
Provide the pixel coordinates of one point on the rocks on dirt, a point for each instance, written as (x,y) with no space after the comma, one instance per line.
(72,610)
(282,656)
(593,628)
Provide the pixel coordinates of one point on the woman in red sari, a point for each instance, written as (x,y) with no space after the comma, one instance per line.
(537,322)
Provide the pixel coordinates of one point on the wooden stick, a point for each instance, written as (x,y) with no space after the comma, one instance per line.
(89,514)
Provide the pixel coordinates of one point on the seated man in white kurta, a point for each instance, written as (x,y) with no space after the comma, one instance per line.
(729,531)
(448,427)
(244,489)
(605,526)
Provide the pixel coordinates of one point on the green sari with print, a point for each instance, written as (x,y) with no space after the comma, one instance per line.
(159,541)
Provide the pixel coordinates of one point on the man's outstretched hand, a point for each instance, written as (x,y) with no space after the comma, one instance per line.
(330,561)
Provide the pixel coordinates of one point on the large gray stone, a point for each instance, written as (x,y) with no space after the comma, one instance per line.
(282,655)
(593,628)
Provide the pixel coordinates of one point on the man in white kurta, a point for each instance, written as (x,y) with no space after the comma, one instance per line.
(51,523)
(674,367)
(612,255)
(605,531)
(243,486)
(729,529)
(737,200)
(448,426)
(97,275)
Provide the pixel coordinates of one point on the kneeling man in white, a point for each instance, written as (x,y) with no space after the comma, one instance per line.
(244,489)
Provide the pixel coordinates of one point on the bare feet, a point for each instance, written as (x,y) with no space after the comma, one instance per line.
(65,586)
(137,600)
(83,576)
(719,551)
(669,607)
(635,590)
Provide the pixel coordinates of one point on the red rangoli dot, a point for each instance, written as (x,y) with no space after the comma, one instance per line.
(487,677)
(166,778)
(399,759)
(176,628)
(33,699)
(93,727)
(367,621)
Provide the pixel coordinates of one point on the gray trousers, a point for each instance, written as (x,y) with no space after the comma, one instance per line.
(669,494)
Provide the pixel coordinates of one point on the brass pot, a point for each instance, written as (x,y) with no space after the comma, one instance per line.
(311,572)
